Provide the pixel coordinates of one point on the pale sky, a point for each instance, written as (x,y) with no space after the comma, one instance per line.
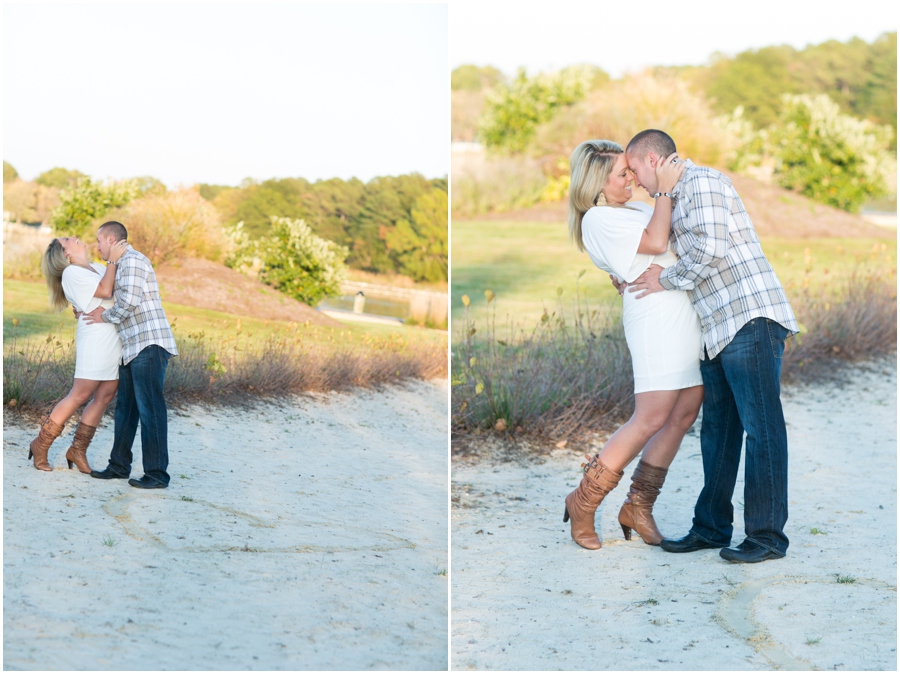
(216,93)
(622,37)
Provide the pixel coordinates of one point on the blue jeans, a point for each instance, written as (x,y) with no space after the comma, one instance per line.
(140,398)
(742,394)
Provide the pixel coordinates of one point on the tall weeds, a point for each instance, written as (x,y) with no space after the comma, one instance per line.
(236,370)
(572,372)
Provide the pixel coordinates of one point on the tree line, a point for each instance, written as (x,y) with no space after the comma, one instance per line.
(391,224)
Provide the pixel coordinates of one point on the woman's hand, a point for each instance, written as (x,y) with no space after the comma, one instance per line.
(668,172)
(117,250)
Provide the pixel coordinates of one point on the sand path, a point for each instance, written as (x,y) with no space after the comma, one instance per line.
(526,597)
(308,535)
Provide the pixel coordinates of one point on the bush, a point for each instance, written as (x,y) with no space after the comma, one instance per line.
(513,111)
(496,184)
(833,158)
(571,374)
(28,202)
(644,101)
(84,206)
(235,370)
(166,225)
(292,260)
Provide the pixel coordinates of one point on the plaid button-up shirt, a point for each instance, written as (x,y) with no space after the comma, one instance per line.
(721,261)
(137,312)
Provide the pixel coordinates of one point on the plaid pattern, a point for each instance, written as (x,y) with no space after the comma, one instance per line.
(137,313)
(721,261)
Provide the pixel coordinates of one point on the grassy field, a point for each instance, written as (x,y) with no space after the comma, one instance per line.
(525,263)
(27,301)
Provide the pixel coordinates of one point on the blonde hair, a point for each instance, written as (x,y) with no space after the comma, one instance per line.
(53,264)
(591,163)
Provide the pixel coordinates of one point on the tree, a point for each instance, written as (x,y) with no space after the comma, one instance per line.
(419,243)
(828,156)
(148,185)
(292,260)
(88,202)
(514,111)
(473,78)
(60,178)
(9,173)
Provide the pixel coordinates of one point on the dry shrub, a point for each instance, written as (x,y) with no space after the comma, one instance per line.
(23,247)
(643,101)
(856,321)
(493,184)
(465,109)
(236,370)
(553,380)
(173,224)
(570,375)
(29,202)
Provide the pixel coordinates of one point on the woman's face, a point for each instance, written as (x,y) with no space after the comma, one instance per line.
(618,186)
(73,247)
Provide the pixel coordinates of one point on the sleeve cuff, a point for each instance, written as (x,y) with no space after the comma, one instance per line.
(664,279)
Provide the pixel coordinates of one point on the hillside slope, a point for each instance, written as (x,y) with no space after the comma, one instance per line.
(209,285)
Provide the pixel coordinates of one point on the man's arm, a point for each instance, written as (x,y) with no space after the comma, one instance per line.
(707,204)
(131,281)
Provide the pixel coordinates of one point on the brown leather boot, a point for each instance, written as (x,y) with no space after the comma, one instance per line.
(582,503)
(77,453)
(50,430)
(637,511)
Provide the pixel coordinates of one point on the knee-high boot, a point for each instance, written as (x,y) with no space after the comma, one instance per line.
(77,453)
(637,511)
(582,503)
(40,446)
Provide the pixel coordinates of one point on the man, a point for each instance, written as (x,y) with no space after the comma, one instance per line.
(745,318)
(147,345)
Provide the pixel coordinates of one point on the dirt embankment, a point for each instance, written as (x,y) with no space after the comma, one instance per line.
(208,285)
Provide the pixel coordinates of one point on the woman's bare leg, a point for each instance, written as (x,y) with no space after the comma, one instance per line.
(82,390)
(662,447)
(102,398)
(651,412)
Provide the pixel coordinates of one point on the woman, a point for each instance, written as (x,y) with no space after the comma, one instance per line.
(72,278)
(662,331)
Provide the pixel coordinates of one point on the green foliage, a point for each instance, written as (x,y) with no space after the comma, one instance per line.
(9,173)
(292,260)
(833,158)
(357,215)
(148,185)
(514,111)
(29,202)
(860,77)
(210,192)
(474,78)
(59,178)
(419,244)
(88,202)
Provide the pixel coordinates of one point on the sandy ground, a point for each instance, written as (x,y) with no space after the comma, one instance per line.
(525,596)
(311,535)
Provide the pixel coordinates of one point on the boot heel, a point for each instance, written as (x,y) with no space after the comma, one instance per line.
(627,531)
(30,454)
(565,516)
(70,464)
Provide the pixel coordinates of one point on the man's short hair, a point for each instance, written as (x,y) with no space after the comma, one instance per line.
(651,140)
(116,229)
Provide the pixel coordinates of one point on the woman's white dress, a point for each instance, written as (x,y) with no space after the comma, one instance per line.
(662,329)
(98,348)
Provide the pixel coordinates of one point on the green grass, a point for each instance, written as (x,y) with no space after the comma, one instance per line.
(524,263)
(27,301)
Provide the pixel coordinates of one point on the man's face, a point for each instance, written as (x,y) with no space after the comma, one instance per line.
(104,242)
(644,171)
